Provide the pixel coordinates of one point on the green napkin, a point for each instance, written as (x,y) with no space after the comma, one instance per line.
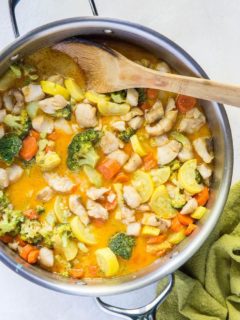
(208,286)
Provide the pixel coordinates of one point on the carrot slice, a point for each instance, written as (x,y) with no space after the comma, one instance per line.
(184,219)
(6,238)
(93,270)
(33,256)
(20,242)
(35,134)
(176,225)
(24,251)
(202,197)
(145,106)
(152,94)
(31,214)
(76,273)
(109,168)
(29,148)
(190,228)
(52,136)
(121,177)
(185,103)
(150,162)
(157,239)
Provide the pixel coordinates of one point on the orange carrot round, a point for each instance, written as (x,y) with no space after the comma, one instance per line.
(145,106)
(33,256)
(109,168)
(35,134)
(190,228)
(176,225)
(29,148)
(152,94)
(157,239)
(202,197)
(121,177)
(185,103)
(184,219)
(52,136)
(76,273)
(24,251)
(150,162)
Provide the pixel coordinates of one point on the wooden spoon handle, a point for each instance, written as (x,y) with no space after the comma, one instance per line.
(141,77)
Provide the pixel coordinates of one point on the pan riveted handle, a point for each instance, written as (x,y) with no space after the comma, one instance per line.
(12,10)
(148,312)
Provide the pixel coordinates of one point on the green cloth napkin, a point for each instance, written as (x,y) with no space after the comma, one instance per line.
(207,287)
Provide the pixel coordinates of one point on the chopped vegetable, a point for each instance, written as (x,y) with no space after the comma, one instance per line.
(184,219)
(54,89)
(29,148)
(190,228)
(60,209)
(119,96)
(126,134)
(176,225)
(32,109)
(150,162)
(10,145)
(150,231)
(31,231)
(157,239)
(137,147)
(109,168)
(18,124)
(177,237)
(10,221)
(65,113)
(161,175)
(185,103)
(187,177)
(107,108)
(93,175)
(141,95)
(152,94)
(161,203)
(199,213)
(107,261)
(122,245)
(47,161)
(203,196)
(76,273)
(143,183)
(73,88)
(82,233)
(121,178)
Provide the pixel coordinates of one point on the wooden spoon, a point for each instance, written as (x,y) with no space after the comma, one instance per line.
(107,71)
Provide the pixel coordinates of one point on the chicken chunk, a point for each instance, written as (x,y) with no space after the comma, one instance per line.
(33,92)
(77,208)
(43,124)
(13,101)
(160,140)
(46,257)
(132,97)
(190,206)
(45,194)
(96,193)
(133,113)
(131,197)
(3,113)
(86,115)
(133,163)
(126,215)
(14,173)
(136,122)
(51,105)
(201,147)
(186,154)
(109,142)
(155,113)
(120,156)
(168,152)
(150,219)
(59,183)
(96,210)
(4,180)
(119,125)
(204,170)
(133,229)
(192,122)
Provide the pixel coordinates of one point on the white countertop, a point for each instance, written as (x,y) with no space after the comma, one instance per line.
(209,31)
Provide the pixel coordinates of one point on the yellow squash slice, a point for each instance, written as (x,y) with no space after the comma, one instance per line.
(60,210)
(81,232)
(73,88)
(53,89)
(143,183)
(107,261)
(187,177)
(161,175)
(161,203)
(137,147)
(69,252)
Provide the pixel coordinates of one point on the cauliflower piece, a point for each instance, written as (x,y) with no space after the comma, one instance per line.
(77,208)
(133,163)
(119,125)
(131,197)
(192,122)
(201,147)
(47,161)
(51,105)
(155,113)
(204,170)
(132,97)
(59,183)
(86,115)
(14,173)
(43,124)
(190,206)
(168,152)
(133,229)
(33,92)
(96,193)
(109,142)
(120,156)
(46,257)
(45,194)
(96,210)
(4,180)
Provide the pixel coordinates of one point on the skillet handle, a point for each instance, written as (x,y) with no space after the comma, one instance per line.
(147,312)
(12,11)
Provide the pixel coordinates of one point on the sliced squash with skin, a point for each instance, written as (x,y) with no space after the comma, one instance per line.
(137,147)
(107,261)
(161,175)
(161,203)
(187,177)
(69,252)
(81,232)
(60,210)
(53,89)
(108,108)
(73,88)
(143,183)
(177,237)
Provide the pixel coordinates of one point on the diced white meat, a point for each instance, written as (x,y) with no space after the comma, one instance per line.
(200,145)
(59,183)
(119,125)
(4,181)
(168,152)
(3,113)
(14,173)
(77,208)
(109,142)
(143,207)
(192,122)
(133,229)
(204,170)
(136,122)
(33,92)
(131,114)
(132,97)
(96,193)
(171,105)
(131,197)
(51,105)
(46,257)
(13,101)
(120,156)
(163,67)
(13,245)
(62,124)
(127,215)
(57,78)
(96,210)
(150,219)
(111,197)
(185,154)
(190,206)
(160,140)
(155,113)
(45,194)
(2,131)
(86,115)
(43,124)
(133,163)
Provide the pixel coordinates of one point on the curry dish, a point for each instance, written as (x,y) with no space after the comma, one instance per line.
(95,185)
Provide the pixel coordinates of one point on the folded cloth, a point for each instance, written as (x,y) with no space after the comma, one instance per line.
(207,287)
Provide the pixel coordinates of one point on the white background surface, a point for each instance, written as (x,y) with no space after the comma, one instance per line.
(209,31)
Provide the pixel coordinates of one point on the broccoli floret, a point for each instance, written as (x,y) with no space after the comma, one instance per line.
(122,245)
(142,97)
(4,202)
(126,134)
(10,145)
(11,221)
(20,124)
(64,231)
(81,149)
(65,113)
(47,236)
(119,96)
(198,176)
(31,231)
